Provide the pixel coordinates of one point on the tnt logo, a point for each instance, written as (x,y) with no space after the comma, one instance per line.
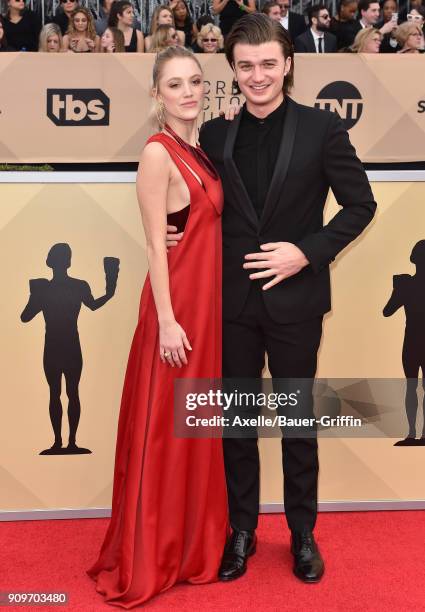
(78,107)
(342,98)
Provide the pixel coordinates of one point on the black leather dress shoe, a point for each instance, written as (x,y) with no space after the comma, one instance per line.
(241,545)
(308,562)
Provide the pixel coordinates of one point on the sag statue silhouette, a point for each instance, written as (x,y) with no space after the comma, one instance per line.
(60,299)
(409,292)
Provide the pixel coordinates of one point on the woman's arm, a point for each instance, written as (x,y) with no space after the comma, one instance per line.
(147,43)
(247,8)
(218,6)
(153,177)
(182,37)
(250,8)
(66,42)
(140,42)
(194,33)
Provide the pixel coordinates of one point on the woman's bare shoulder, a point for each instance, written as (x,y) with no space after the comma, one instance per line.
(155,159)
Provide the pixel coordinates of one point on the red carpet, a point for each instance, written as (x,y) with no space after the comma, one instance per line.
(374,561)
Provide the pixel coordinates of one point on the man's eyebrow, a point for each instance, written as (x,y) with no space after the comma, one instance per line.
(273,59)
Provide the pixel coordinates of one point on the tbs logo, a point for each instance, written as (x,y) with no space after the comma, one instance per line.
(78,107)
(343,98)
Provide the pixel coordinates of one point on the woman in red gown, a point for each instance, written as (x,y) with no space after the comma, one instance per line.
(169,505)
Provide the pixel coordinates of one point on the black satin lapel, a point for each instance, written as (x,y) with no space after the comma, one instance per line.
(241,197)
(282,162)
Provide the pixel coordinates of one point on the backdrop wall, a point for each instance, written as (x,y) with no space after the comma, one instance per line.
(99,220)
(95,108)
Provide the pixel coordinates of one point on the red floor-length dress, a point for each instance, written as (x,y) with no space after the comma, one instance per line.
(169,505)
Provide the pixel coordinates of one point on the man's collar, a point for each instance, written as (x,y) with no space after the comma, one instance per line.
(315,35)
(276,114)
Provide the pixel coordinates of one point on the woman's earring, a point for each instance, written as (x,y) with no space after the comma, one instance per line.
(160,112)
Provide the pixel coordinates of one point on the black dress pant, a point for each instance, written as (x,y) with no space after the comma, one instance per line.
(292,353)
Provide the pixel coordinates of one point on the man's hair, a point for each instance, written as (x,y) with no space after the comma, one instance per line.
(269,5)
(256,29)
(365,4)
(314,10)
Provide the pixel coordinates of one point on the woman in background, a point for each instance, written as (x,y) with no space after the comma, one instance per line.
(367,40)
(81,36)
(112,41)
(388,8)
(210,39)
(230,11)
(21,27)
(162,15)
(121,16)
(184,23)
(409,36)
(50,40)
(343,24)
(164,37)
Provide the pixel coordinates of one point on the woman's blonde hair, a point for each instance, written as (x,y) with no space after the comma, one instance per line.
(155,16)
(213,29)
(91,31)
(405,30)
(161,60)
(363,37)
(159,40)
(50,29)
(119,41)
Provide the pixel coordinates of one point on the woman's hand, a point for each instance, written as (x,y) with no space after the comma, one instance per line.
(231,111)
(90,43)
(172,342)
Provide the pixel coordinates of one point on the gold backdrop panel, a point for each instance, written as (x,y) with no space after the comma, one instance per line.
(103,220)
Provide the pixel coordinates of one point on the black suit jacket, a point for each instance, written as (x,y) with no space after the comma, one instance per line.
(304,43)
(315,155)
(296,24)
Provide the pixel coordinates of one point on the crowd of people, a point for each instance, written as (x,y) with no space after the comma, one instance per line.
(359,26)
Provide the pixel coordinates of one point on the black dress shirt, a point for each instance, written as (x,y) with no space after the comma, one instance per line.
(255,153)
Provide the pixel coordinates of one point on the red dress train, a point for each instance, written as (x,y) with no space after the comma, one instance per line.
(169,505)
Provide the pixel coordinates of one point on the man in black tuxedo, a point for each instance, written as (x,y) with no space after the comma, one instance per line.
(277,160)
(317,39)
(292,22)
